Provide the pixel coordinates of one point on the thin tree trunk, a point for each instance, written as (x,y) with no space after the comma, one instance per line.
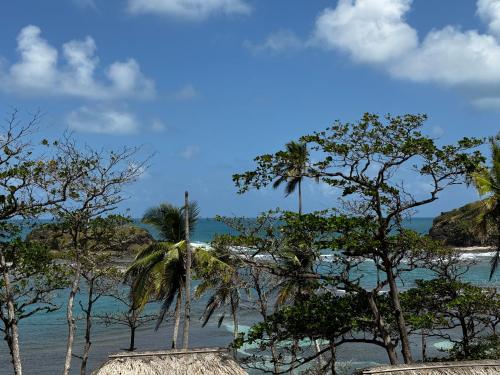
(187,306)
(177,322)
(465,335)
(398,314)
(71,319)
(131,347)
(386,337)
(88,327)
(424,345)
(234,313)
(300,197)
(317,348)
(334,357)
(12,321)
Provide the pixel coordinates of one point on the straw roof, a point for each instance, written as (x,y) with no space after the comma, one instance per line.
(172,362)
(437,368)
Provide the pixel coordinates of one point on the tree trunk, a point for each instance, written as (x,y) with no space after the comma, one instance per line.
(187,306)
(88,327)
(300,197)
(12,321)
(131,347)
(334,357)
(386,337)
(465,337)
(398,314)
(424,345)
(177,322)
(317,349)
(234,313)
(71,319)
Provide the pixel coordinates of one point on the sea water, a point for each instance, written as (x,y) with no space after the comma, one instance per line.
(43,336)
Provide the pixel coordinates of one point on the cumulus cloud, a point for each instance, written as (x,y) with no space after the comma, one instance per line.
(189,9)
(376,32)
(277,42)
(372,31)
(102,121)
(39,71)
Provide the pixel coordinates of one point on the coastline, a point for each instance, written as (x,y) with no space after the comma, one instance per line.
(474,249)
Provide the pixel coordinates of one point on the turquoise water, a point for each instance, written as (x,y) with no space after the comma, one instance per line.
(43,336)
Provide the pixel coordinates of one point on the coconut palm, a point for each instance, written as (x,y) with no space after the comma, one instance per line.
(226,291)
(168,220)
(293,169)
(158,273)
(487,182)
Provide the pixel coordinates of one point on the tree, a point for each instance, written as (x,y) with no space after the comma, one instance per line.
(158,273)
(487,182)
(292,168)
(365,160)
(33,280)
(96,192)
(32,180)
(168,220)
(129,317)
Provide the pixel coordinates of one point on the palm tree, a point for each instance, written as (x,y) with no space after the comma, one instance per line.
(158,273)
(225,291)
(487,182)
(168,220)
(293,168)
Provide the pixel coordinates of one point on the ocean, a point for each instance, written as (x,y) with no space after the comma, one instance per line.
(43,336)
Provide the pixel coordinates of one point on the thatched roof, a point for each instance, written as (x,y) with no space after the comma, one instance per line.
(172,362)
(437,368)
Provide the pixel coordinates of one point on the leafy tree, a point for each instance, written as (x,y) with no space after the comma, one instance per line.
(95,193)
(487,182)
(32,285)
(365,160)
(33,179)
(441,305)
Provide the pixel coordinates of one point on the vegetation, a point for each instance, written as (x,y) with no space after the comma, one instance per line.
(303,274)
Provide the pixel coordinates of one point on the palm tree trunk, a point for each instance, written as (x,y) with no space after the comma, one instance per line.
(234,313)
(300,196)
(177,322)
(187,313)
(11,316)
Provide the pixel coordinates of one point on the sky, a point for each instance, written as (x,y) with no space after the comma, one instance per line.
(207,85)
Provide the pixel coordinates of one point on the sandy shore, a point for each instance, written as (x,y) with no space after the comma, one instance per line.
(475,249)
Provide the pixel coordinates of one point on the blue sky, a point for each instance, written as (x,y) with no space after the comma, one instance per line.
(210,84)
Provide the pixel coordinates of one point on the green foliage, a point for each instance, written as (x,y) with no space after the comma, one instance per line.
(34,277)
(169,220)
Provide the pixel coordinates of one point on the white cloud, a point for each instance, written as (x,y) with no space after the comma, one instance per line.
(376,32)
(371,31)
(102,121)
(38,71)
(190,152)
(84,4)
(187,92)
(277,42)
(189,9)
(489,12)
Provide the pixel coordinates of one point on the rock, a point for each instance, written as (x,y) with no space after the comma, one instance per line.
(469,225)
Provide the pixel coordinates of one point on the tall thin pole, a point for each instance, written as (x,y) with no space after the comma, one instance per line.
(187,314)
